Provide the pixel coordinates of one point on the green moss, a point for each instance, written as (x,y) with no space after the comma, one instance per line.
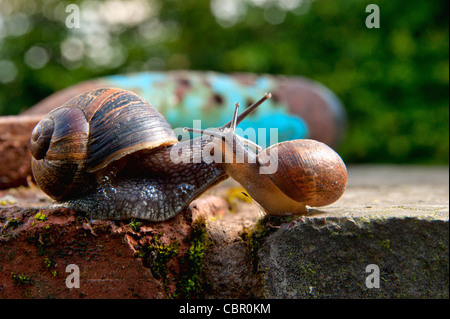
(42,240)
(157,255)
(135,225)
(40,217)
(50,264)
(10,223)
(254,237)
(386,244)
(191,282)
(21,279)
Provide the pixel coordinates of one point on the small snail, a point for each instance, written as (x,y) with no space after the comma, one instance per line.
(306,172)
(108,152)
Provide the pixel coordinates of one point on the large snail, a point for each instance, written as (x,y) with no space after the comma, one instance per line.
(110,153)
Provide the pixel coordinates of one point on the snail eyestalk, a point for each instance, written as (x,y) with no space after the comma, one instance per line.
(250,109)
(233,121)
(203,132)
(222,136)
(231,126)
(249,143)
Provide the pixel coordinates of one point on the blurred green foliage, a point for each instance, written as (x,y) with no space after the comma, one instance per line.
(393,80)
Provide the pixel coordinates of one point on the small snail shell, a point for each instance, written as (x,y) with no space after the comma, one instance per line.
(308,171)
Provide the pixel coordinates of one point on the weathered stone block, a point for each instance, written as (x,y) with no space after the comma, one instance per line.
(334,257)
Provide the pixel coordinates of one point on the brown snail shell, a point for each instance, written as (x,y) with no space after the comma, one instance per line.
(308,171)
(88,133)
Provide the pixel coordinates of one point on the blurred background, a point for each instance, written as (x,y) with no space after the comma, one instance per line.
(393,80)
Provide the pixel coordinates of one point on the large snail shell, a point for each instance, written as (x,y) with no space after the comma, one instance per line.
(308,171)
(59,151)
(88,133)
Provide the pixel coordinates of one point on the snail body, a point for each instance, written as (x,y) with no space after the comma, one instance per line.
(108,152)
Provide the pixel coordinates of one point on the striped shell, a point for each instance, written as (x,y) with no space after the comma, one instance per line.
(308,171)
(87,134)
